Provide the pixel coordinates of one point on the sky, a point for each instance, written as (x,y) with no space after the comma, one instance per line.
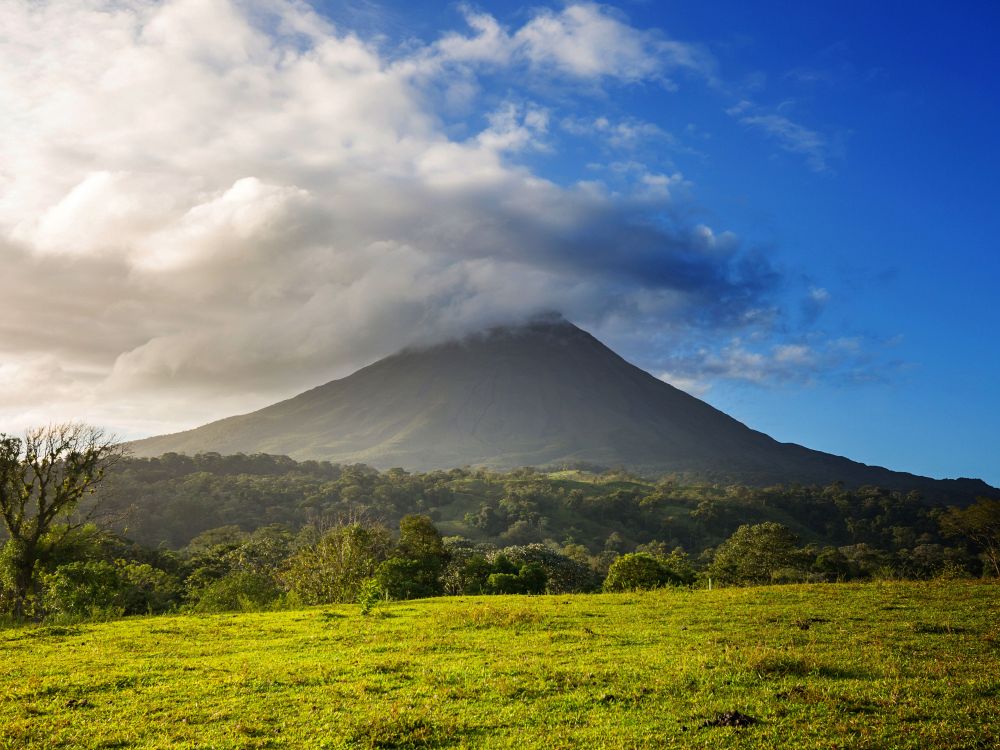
(787,209)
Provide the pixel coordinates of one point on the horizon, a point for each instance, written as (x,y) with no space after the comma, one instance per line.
(207,207)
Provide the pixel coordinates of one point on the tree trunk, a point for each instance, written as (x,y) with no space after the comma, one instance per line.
(22,564)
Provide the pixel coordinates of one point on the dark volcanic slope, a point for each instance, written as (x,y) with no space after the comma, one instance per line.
(544,393)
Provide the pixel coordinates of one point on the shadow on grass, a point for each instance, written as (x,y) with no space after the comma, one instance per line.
(401,730)
(781,665)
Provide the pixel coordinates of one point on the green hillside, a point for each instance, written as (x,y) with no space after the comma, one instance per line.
(881,665)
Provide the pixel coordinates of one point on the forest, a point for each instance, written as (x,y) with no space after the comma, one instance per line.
(213,533)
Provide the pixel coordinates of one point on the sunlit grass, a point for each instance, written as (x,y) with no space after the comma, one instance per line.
(885,665)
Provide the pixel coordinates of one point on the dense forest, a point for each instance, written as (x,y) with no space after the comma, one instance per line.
(168,501)
(212,533)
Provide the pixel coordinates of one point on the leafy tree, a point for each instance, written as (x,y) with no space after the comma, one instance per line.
(679,567)
(503,583)
(44,476)
(530,579)
(636,571)
(533,578)
(83,588)
(754,553)
(416,567)
(420,540)
(980,524)
(563,574)
(332,570)
(403,578)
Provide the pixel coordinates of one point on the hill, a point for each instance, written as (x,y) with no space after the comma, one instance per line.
(544,394)
(886,665)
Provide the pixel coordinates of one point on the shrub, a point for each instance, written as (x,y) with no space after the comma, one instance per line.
(563,574)
(402,578)
(332,570)
(503,583)
(89,588)
(236,592)
(533,578)
(370,594)
(754,553)
(83,588)
(637,571)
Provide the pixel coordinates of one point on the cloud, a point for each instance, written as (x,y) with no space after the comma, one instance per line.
(794,138)
(817,148)
(766,363)
(205,205)
(627,133)
(583,40)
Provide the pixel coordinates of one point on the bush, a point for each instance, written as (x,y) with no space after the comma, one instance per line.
(236,592)
(370,594)
(533,578)
(148,589)
(503,583)
(637,571)
(466,574)
(97,587)
(402,578)
(754,553)
(563,575)
(84,589)
(332,570)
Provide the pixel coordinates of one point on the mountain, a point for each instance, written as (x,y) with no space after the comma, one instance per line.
(544,393)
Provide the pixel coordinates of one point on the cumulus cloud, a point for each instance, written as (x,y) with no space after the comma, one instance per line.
(207,204)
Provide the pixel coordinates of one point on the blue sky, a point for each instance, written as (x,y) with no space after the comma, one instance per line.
(787,209)
(899,223)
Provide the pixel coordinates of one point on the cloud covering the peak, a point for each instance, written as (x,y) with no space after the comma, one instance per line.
(206,204)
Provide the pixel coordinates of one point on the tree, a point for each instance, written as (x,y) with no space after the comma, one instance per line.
(980,524)
(43,478)
(754,553)
(334,568)
(636,571)
(415,569)
(420,540)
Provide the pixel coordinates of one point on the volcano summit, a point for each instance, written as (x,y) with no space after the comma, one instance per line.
(540,394)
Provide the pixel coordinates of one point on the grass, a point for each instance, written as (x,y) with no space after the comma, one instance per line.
(883,665)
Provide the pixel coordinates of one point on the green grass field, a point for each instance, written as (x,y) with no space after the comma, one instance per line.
(883,665)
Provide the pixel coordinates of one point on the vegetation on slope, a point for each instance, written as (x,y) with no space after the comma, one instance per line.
(175,498)
(256,532)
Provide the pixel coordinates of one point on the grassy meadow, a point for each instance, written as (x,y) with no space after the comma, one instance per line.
(880,665)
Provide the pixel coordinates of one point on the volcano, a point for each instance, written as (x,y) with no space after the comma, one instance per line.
(545,393)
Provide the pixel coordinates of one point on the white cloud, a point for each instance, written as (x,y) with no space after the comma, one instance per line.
(207,204)
(819,295)
(795,138)
(583,40)
(693,386)
(627,133)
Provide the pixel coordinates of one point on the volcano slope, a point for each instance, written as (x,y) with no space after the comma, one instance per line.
(542,394)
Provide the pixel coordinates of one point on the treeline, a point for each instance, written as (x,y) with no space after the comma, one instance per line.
(99,575)
(168,501)
(217,533)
